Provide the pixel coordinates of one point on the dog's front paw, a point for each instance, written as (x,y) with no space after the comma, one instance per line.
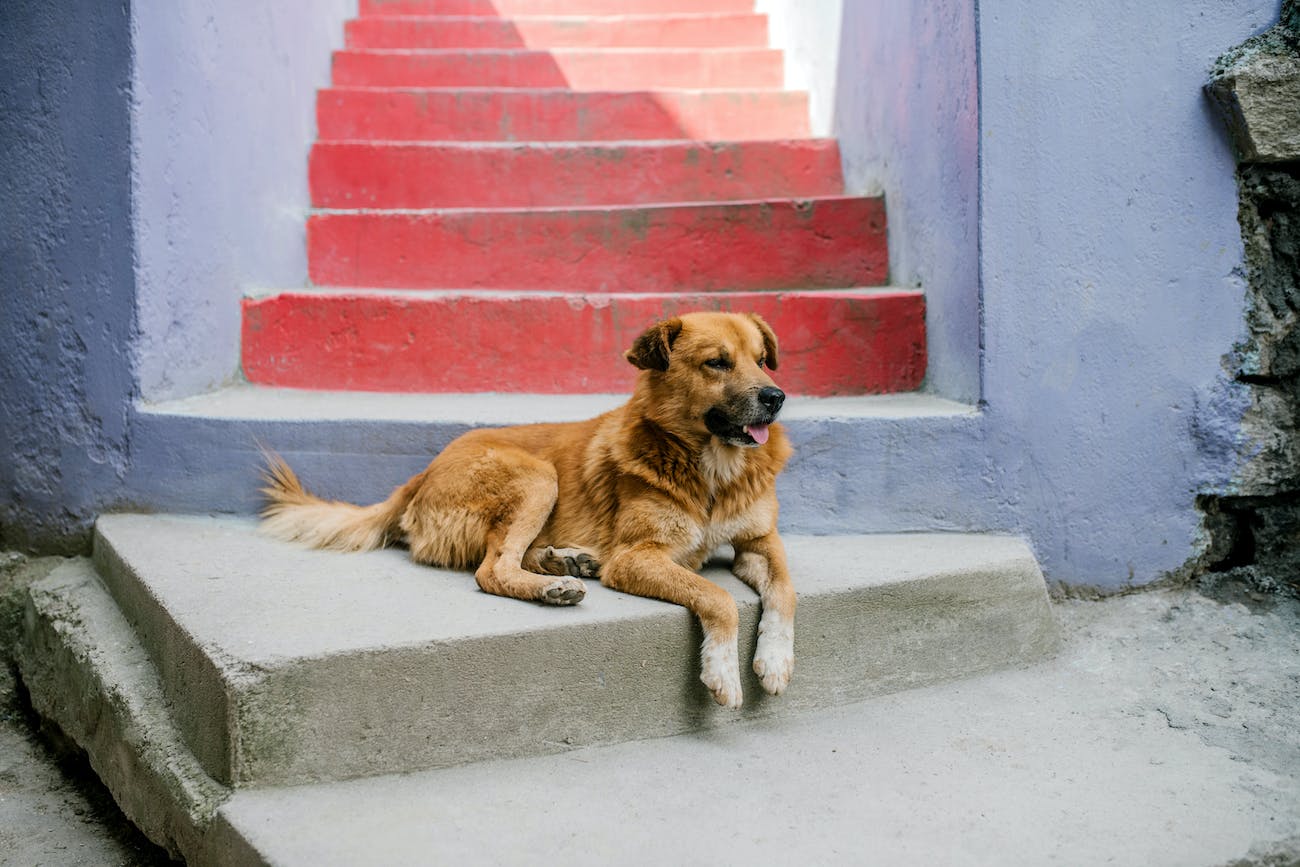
(720,671)
(566,591)
(774,655)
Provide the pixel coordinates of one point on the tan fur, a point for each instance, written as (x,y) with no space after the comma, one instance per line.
(642,494)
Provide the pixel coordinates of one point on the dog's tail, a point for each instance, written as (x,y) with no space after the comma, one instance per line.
(294,515)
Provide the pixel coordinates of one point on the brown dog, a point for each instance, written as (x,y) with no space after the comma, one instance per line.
(638,496)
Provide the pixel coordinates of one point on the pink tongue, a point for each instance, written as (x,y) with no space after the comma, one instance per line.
(758,432)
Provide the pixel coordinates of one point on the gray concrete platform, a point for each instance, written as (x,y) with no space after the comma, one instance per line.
(286,665)
(1162,734)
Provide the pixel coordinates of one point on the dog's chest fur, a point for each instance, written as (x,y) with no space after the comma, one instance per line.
(730,512)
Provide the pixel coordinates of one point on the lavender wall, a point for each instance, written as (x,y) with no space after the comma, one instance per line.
(1111,270)
(895,82)
(1088,227)
(223,119)
(66,283)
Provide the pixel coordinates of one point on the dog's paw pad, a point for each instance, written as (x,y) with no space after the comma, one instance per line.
(566,591)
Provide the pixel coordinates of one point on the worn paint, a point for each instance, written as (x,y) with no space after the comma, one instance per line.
(867,342)
(386,175)
(824,243)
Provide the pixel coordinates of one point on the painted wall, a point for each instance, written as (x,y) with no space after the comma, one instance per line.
(895,81)
(224,117)
(1111,274)
(66,284)
(1091,220)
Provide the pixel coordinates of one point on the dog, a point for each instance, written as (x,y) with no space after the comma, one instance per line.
(638,497)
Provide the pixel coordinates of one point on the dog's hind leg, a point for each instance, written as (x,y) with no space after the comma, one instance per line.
(502,571)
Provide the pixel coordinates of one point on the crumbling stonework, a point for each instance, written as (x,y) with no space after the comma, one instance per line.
(1254,528)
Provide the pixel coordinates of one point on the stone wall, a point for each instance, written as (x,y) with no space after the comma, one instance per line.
(1254,522)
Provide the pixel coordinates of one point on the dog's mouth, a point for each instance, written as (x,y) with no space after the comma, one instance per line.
(751,433)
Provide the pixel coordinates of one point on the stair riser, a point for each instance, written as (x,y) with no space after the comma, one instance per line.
(357,175)
(404,115)
(577,70)
(499,8)
(820,244)
(739,31)
(866,342)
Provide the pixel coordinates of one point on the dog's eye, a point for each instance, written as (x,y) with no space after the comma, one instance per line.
(718,364)
(762,361)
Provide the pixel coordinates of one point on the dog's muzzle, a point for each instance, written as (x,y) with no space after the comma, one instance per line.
(746,425)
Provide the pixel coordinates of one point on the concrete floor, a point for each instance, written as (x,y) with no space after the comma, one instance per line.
(1165,732)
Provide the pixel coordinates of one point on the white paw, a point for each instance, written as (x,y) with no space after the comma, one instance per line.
(774,655)
(720,671)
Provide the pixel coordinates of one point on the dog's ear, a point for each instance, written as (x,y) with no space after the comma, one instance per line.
(769,340)
(650,350)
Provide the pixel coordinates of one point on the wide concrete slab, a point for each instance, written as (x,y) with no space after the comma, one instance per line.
(1162,735)
(289,665)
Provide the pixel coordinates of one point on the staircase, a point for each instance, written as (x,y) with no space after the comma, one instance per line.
(506,193)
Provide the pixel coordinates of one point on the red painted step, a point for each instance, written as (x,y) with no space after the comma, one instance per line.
(837,342)
(678,31)
(574,68)
(508,8)
(781,244)
(370,175)
(559,115)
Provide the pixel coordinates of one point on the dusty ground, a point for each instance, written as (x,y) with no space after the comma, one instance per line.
(1224,667)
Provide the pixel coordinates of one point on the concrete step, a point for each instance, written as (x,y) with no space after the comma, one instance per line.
(507,8)
(819,243)
(574,68)
(485,114)
(641,31)
(869,340)
(477,175)
(285,665)
(884,463)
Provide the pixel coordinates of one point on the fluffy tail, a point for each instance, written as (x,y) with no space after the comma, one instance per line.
(294,515)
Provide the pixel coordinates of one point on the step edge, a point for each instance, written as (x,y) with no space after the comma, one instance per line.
(257,293)
(596,209)
(634,16)
(656,51)
(453,89)
(820,143)
(252,403)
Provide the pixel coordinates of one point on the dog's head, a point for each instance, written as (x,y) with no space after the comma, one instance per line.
(708,372)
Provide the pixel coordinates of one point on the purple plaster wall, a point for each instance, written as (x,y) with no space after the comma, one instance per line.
(66,283)
(1111,275)
(224,116)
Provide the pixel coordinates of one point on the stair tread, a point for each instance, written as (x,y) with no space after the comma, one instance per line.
(255,402)
(288,665)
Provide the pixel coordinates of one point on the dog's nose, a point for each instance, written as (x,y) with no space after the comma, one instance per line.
(772,398)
